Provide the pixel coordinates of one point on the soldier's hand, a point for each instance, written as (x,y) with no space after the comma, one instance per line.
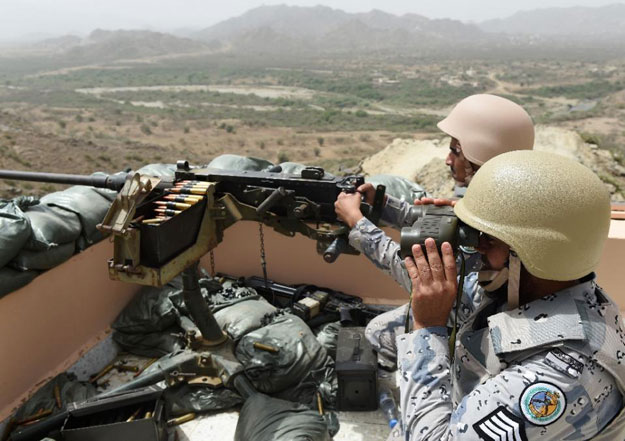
(368,192)
(435,201)
(434,284)
(347,208)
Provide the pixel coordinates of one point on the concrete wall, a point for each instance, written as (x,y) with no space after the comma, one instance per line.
(294,260)
(47,325)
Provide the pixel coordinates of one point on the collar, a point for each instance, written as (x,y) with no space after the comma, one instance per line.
(552,319)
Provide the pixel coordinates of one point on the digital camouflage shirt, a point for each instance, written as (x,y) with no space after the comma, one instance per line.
(548,370)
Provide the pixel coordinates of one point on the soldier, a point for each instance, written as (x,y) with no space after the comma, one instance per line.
(541,356)
(481,127)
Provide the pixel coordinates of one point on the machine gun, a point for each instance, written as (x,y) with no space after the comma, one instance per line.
(161,225)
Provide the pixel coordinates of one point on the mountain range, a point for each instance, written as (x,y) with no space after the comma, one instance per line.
(606,21)
(321,30)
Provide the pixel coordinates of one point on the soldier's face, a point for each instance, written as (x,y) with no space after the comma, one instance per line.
(494,252)
(455,163)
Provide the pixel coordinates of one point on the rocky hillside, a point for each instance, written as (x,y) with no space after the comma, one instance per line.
(103,45)
(423,161)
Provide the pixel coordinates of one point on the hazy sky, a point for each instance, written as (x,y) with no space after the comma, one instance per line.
(19,18)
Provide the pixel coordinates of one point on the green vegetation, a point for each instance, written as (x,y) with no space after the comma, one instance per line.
(584,91)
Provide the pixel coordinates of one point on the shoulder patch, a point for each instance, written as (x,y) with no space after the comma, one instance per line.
(564,363)
(542,403)
(501,424)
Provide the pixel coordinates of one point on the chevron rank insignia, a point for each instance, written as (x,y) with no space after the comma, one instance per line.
(501,424)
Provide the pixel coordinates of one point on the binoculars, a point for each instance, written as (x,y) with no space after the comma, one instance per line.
(441,224)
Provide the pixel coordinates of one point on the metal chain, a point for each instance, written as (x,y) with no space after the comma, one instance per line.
(263,262)
(212,257)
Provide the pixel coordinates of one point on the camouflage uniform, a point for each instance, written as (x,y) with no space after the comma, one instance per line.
(384,253)
(548,370)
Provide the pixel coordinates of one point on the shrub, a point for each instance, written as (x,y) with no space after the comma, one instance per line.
(283,157)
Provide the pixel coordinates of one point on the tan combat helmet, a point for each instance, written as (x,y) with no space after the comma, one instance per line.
(552,211)
(488,125)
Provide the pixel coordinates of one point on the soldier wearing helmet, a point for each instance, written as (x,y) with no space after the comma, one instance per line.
(481,127)
(539,356)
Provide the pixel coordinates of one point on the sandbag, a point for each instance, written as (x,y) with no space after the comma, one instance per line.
(158,170)
(295,168)
(109,195)
(88,204)
(323,381)
(398,187)
(237,162)
(185,398)
(155,344)
(243,317)
(14,227)
(219,296)
(299,353)
(327,335)
(43,260)
(263,418)
(11,280)
(51,226)
(71,391)
(151,310)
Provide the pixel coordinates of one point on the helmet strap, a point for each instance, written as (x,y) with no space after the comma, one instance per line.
(514,277)
(492,280)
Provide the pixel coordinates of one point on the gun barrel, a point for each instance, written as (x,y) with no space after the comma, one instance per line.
(112,182)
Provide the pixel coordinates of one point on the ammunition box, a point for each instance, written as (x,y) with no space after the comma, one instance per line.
(119,417)
(357,371)
(311,306)
(162,242)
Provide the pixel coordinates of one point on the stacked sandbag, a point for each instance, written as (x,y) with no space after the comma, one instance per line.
(243,317)
(14,227)
(15,231)
(242,163)
(54,232)
(90,207)
(149,324)
(398,187)
(158,170)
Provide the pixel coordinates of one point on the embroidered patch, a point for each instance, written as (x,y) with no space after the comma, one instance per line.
(501,424)
(564,363)
(542,403)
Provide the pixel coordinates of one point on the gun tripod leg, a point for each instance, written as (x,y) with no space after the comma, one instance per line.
(198,309)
